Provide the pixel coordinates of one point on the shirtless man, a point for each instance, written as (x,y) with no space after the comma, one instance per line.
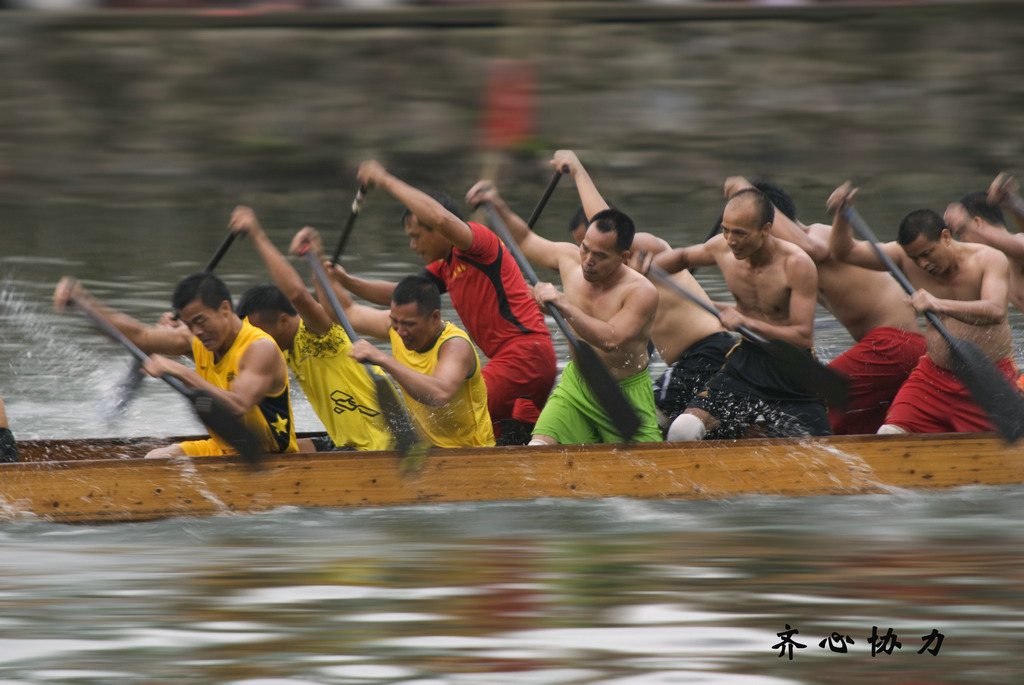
(236,362)
(433,361)
(488,292)
(966,285)
(689,339)
(975,218)
(315,348)
(608,304)
(869,304)
(774,283)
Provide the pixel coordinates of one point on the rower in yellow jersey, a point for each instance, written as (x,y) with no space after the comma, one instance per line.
(447,425)
(236,363)
(317,350)
(433,361)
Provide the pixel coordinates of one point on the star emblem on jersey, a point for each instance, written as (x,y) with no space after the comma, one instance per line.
(281,425)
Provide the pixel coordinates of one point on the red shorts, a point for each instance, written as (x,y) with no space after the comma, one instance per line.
(519,379)
(876,366)
(933,400)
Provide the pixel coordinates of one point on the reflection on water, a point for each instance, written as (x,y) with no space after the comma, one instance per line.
(611,591)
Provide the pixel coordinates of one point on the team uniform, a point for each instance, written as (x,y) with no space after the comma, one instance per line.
(500,314)
(339,389)
(573,416)
(751,389)
(464,421)
(876,366)
(688,375)
(934,400)
(270,420)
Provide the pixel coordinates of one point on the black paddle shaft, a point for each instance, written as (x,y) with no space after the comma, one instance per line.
(357,205)
(221,251)
(590,365)
(989,388)
(218,418)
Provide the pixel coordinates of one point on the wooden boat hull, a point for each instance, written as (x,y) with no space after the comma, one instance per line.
(105,481)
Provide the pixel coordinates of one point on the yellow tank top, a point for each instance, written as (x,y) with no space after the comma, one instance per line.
(271,420)
(463,422)
(339,389)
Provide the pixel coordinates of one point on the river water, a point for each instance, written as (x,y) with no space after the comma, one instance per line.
(560,592)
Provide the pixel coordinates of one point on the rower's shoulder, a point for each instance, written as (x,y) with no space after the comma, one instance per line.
(649,243)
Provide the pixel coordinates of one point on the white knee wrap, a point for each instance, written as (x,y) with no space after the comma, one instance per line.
(686,427)
(890,429)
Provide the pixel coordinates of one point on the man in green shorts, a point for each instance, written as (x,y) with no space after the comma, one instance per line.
(608,304)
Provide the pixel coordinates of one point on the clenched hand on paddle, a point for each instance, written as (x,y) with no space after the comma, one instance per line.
(211,411)
(1000,400)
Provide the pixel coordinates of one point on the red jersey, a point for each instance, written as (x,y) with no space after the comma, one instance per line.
(488,292)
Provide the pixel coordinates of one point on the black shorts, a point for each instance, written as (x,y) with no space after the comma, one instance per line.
(751,393)
(676,388)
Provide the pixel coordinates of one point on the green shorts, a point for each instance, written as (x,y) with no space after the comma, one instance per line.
(572,415)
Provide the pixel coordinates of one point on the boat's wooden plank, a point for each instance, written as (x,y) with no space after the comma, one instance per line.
(137,489)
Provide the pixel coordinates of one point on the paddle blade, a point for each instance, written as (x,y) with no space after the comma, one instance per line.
(225,424)
(397,418)
(124,392)
(802,369)
(606,389)
(989,388)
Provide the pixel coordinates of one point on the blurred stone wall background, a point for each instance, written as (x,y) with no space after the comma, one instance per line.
(130,106)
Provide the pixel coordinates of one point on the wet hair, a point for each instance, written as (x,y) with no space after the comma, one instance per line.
(762,204)
(264,299)
(442,199)
(613,220)
(205,287)
(977,205)
(778,197)
(419,289)
(920,222)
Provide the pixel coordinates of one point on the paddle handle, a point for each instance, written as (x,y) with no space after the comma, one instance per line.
(542,203)
(357,205)
(221,251)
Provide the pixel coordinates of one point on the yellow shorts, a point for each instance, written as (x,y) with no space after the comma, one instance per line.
(202,448)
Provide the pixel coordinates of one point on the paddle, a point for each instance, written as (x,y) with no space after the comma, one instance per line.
(801,368)
(543,199)
(126,388)
(399,423)
(218,418)
(990,389)
(596,375)
(357,204)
